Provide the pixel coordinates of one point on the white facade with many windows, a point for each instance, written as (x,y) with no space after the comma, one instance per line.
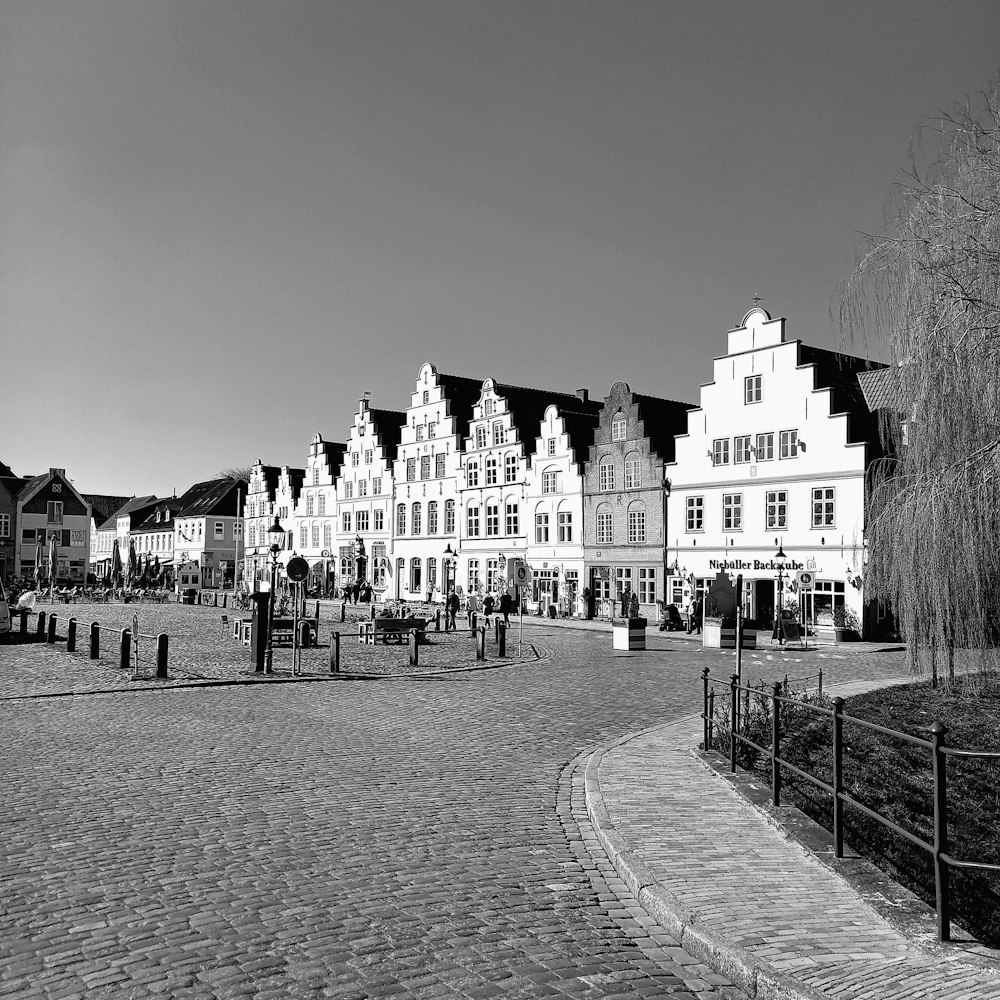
(315,520)
(775,456)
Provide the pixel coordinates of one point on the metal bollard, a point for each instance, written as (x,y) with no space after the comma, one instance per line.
(95,640)
(303,635)
(437,620)
(126,649)
(501,639)
(50,635)
(472,623)
(414,640)
(343,611)
(334,652)
(225,598)
(161,656)
(71,636)
(481,643)
(24,623)
(40,631)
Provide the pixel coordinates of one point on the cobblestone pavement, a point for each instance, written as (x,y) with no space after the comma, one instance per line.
(415,837)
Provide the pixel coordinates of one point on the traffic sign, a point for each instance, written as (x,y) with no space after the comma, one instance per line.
(297,569)
(520,574)
(806,579)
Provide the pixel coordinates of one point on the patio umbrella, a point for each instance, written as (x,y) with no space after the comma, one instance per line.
(132,569)
(116,563)
(53,564)
(157,572)
(39,567)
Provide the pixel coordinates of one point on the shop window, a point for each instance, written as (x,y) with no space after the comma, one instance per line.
(415,575)
(828,595)
(647,585)
(623,579)
(473,574)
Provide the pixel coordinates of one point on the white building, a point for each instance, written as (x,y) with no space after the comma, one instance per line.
(426,475)
(315,513)
(775,456)
(554,506)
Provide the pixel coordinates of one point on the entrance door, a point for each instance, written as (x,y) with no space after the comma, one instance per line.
(763,601)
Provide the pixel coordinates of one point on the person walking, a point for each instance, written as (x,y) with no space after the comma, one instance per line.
(356,592)
(488,604)
(696,616)
(471,607)
(451,608)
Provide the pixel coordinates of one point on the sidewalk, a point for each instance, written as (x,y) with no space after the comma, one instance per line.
(731,885)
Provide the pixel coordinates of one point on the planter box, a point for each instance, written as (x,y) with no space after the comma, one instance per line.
(629,636)
(720,633)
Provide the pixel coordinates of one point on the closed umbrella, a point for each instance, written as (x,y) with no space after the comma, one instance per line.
(156,570)
(39,565)
(132,569)
(116,563)
(53,564)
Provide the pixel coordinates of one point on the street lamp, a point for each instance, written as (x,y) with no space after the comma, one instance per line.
(449,568)
(277,535)
(780,554)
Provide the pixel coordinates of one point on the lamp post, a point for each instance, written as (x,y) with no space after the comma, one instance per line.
(780,554)
(277,535)
(447,563)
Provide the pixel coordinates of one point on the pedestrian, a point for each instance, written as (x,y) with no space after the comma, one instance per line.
(505,605)
(696,616)
(356,592)
(471,607)
(488,604)
(451,607)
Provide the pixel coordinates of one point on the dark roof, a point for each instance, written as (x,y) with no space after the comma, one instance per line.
(580,427)
(272,473)
(662,420)
(214,496)
(388,425)
(298,476)
(841,374)
(134,507)
(6,472)
(462,393)
(882,390)
(104,506)
(527,406)
(30,485)
(13,484)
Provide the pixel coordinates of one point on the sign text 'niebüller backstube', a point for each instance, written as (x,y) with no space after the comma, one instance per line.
(767,564)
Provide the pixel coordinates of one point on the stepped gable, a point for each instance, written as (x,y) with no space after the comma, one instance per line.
(527,406)
(296,477)
(581,428)
(388,425)
(462,393)
(841,373)
(662,420)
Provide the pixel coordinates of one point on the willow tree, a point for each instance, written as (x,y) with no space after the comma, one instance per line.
(925,292)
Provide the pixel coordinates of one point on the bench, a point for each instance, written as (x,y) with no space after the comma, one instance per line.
(398,627)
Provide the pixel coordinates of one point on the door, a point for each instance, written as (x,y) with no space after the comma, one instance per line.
(763,603)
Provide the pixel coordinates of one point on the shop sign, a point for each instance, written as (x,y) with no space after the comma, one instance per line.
(725,565)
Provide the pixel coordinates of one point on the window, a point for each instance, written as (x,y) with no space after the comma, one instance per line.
(321,504)
(310,504)
(732,511)
(401,519)
(472,521)
(449,517)
(378,520)
(741,449)
(550,482)
(472,473)
(541,529)
(647,585)
(492,470)
(416,520)
(789,443)
(360,524)
(481,436)
(499,434)
(751,389)
(315,475)
(765,447)
(348,493)
(607,475)
(414,575)
(432,518)
(328,530)
(510,468)
(377,485)
(489,407)
(823,507)
(362,488)
(426,397)
(439,466)
(695,514)
(431,432)
(368,457)
(720,451)
(623,579)
(492,518)
(636,526)
(432,573)
(473,574)
(513,518)
(604,527)
(552,447)
(631,472)
(347,521)
(411,470)
(303,536)
(315,536)
(619,427)
(827,596)
(425,466)
(220,531)
(420,432)
(777,509)
(565,521)
(355,458)
(492,575)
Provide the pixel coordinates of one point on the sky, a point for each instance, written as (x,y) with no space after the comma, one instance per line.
(223,221)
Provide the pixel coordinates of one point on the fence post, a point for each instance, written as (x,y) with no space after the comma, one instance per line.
(95,640)
(775,744)
(71,636)
(734,704)
(126,648)
(704,709)
(161,655)
(414,641)
(40,631)
(501,639)
(941,873)
(838,777)
(334,652)
(821,682)
(711,717)
(50,635)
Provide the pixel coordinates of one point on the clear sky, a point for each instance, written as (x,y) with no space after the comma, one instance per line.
(221,221)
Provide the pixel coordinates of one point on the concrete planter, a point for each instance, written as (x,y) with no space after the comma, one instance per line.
(630,635)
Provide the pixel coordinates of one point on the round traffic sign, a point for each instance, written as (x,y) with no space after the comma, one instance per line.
(297,569)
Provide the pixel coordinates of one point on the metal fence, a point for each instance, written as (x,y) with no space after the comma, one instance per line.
(938,848)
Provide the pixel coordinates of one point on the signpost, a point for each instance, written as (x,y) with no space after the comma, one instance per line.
(806,579)
(517,577)
(297,570)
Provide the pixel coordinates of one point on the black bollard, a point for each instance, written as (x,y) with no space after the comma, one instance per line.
(343,611)
(437,620)
(501,639)
(225,598)
(414,640)
(472,623)
(481,643)
(161,656)
(334,652)
(71,636)
(126,649)
(41,624)
(95,640)
(50,636)
(24,623)
(303,635)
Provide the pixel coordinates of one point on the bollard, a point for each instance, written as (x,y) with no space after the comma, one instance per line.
(71,636)
(941,874)
(472,623)
(303,635)
(334,652)
(40,631)
(161,656)
(95,640)
(501,639)
(838,777)
(126,649)
(343,611)
(414,639)
(24,623)
(481,643)
(371,613)
(437,620)
(50,636)
(225,598)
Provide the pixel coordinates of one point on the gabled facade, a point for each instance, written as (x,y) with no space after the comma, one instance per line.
(426,475)
(315,518)
(207,531)
(49,506)
(554,507)
(258,515)
(363,535)
(625,497)
(776,455)
(154,538)
(103,530)
(10,486)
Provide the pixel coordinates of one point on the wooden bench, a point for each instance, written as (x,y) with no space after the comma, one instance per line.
(398,627)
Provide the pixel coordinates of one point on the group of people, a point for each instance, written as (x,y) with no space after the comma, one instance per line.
(356,591)
(489,606)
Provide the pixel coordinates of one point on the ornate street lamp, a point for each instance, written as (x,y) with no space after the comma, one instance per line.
(277,535)
(780,554)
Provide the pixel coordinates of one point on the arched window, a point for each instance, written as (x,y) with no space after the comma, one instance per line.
(607,475)
(472,520)
(510,468)
(432,520)
(415,575)
(619,427)
(564,522)
(605,531)
(542,524)
(633,476)
(499,434)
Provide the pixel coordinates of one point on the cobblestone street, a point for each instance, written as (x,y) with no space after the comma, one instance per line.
(408,837)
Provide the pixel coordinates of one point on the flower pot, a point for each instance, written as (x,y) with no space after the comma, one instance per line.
(843,635)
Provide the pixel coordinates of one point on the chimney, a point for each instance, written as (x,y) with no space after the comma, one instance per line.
(584,394)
